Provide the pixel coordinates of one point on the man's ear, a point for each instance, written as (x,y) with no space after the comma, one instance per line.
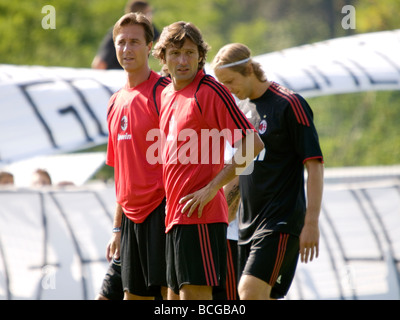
(162,58)
(250,69)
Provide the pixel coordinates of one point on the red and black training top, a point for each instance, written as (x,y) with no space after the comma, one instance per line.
(195,121)
(133,113)
(273,194)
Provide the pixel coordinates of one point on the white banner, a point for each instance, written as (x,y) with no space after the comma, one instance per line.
(53,110)
(47,110)
(52,243)
(365,62)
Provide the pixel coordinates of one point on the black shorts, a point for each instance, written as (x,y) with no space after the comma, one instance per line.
(111,287)
(143,266)
(196,255)
(273,259)
(230,292)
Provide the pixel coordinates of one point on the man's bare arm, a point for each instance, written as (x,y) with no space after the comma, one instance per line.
(232,195)
(113,247)
(250,146)
(309,237)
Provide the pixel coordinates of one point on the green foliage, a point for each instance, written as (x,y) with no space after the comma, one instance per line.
(359,129)
(375,15)
(264,26)
(80,26)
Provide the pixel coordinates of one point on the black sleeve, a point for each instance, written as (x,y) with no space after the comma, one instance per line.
(107,52)
(302,130)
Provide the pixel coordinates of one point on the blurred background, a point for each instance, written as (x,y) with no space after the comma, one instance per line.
(369,122)
(359,133)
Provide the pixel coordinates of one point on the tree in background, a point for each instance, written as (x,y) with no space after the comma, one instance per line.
(264,26)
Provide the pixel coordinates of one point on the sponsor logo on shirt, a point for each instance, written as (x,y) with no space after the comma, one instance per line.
(125,136)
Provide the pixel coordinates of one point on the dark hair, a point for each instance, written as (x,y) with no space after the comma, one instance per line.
(176,34)
(136,6)
(43,173)
(135,18)
(5,175)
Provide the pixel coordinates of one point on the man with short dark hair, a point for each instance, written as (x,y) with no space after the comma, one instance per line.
(139,229)
(193,105)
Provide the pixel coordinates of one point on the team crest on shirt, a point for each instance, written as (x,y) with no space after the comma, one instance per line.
(124,123)
(262,128)
(124,126)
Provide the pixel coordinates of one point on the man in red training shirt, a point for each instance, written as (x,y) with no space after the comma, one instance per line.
(196,109)
(139,229)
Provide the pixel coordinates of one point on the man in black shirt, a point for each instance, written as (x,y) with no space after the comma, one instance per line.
(276,224)
(106,57)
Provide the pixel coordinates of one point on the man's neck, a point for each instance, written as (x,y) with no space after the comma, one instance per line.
(135,78)
(179,85)
(259,89)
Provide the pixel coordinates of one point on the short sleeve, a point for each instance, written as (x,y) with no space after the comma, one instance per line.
(110,145)
(220,110)
(302,129)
